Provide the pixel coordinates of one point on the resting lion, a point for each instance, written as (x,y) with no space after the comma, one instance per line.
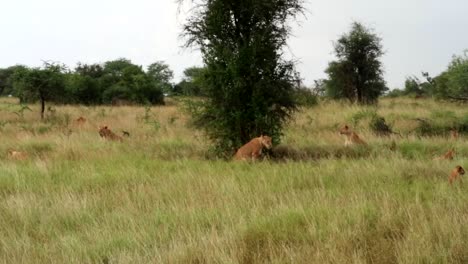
(106,133)
(17,155)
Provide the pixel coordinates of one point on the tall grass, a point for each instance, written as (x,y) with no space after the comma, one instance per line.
(159,197)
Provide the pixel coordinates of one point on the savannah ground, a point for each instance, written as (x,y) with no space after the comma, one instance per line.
(159,198)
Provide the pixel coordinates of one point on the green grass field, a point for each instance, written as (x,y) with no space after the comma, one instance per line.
(158,198)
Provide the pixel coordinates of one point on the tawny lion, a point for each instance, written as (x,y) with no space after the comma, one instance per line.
(106,133)
(80,121)
(454,133)
(17,155)
(351,137)
(447,156)
(253,149)
(456,173)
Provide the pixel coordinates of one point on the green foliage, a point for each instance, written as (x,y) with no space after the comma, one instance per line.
(46,83)
(395,93)
(379,126)
(450,84)
(248,83)
(83,89)
(441,122)
(358,73)
(89,84)
(123,80)
(7,78)
(161,74)
(426,128)
(362,114)
(305,97)
(20,112)
(43,84)
(377,123)
(453,83)
(193,83)
(412,86)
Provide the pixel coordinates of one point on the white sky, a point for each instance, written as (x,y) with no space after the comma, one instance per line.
(418,35)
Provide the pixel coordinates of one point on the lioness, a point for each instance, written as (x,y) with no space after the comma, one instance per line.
(454,133)
(447,156)
(106,133)
(456,173)
(351,137)
(17,155)
(253,149)
(80,120)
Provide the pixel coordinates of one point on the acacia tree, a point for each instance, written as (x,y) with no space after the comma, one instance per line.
(358,72)
(249,85)
(43,84)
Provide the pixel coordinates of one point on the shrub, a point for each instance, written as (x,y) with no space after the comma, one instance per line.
(379,126)
(305,97)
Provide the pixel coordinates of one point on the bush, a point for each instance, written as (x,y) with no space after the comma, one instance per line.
(305,97)
(379,126)
(362,114)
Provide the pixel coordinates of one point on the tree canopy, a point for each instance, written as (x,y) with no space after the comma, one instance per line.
(357,74)
(88,83)
(249,85)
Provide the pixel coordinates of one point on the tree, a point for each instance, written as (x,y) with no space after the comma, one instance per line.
(413,86)
(193,82)
(43,84)
(123,80)
(395,93)
(320,87)
(249,85)
(357,74)
(456,78)
(161,74)
(84,85)
(6,78)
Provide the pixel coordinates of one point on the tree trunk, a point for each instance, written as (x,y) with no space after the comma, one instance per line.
(42,107)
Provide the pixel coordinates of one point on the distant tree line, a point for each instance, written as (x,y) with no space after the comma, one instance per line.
(451,84)
(88,84)
(357,73)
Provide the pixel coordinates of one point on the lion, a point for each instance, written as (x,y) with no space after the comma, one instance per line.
(454,134)
(80,121)
(456,173)
(351,137)
(447,156)
(106,133)
(17,155)
(253,149)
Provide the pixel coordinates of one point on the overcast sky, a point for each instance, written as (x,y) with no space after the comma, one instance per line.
(418,35)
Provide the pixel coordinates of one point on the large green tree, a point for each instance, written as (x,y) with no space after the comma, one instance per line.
(84,85)
(453,83)
(43,84)
(357,74)
(161,74)
(123,80)
(6,78)
(249,84)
